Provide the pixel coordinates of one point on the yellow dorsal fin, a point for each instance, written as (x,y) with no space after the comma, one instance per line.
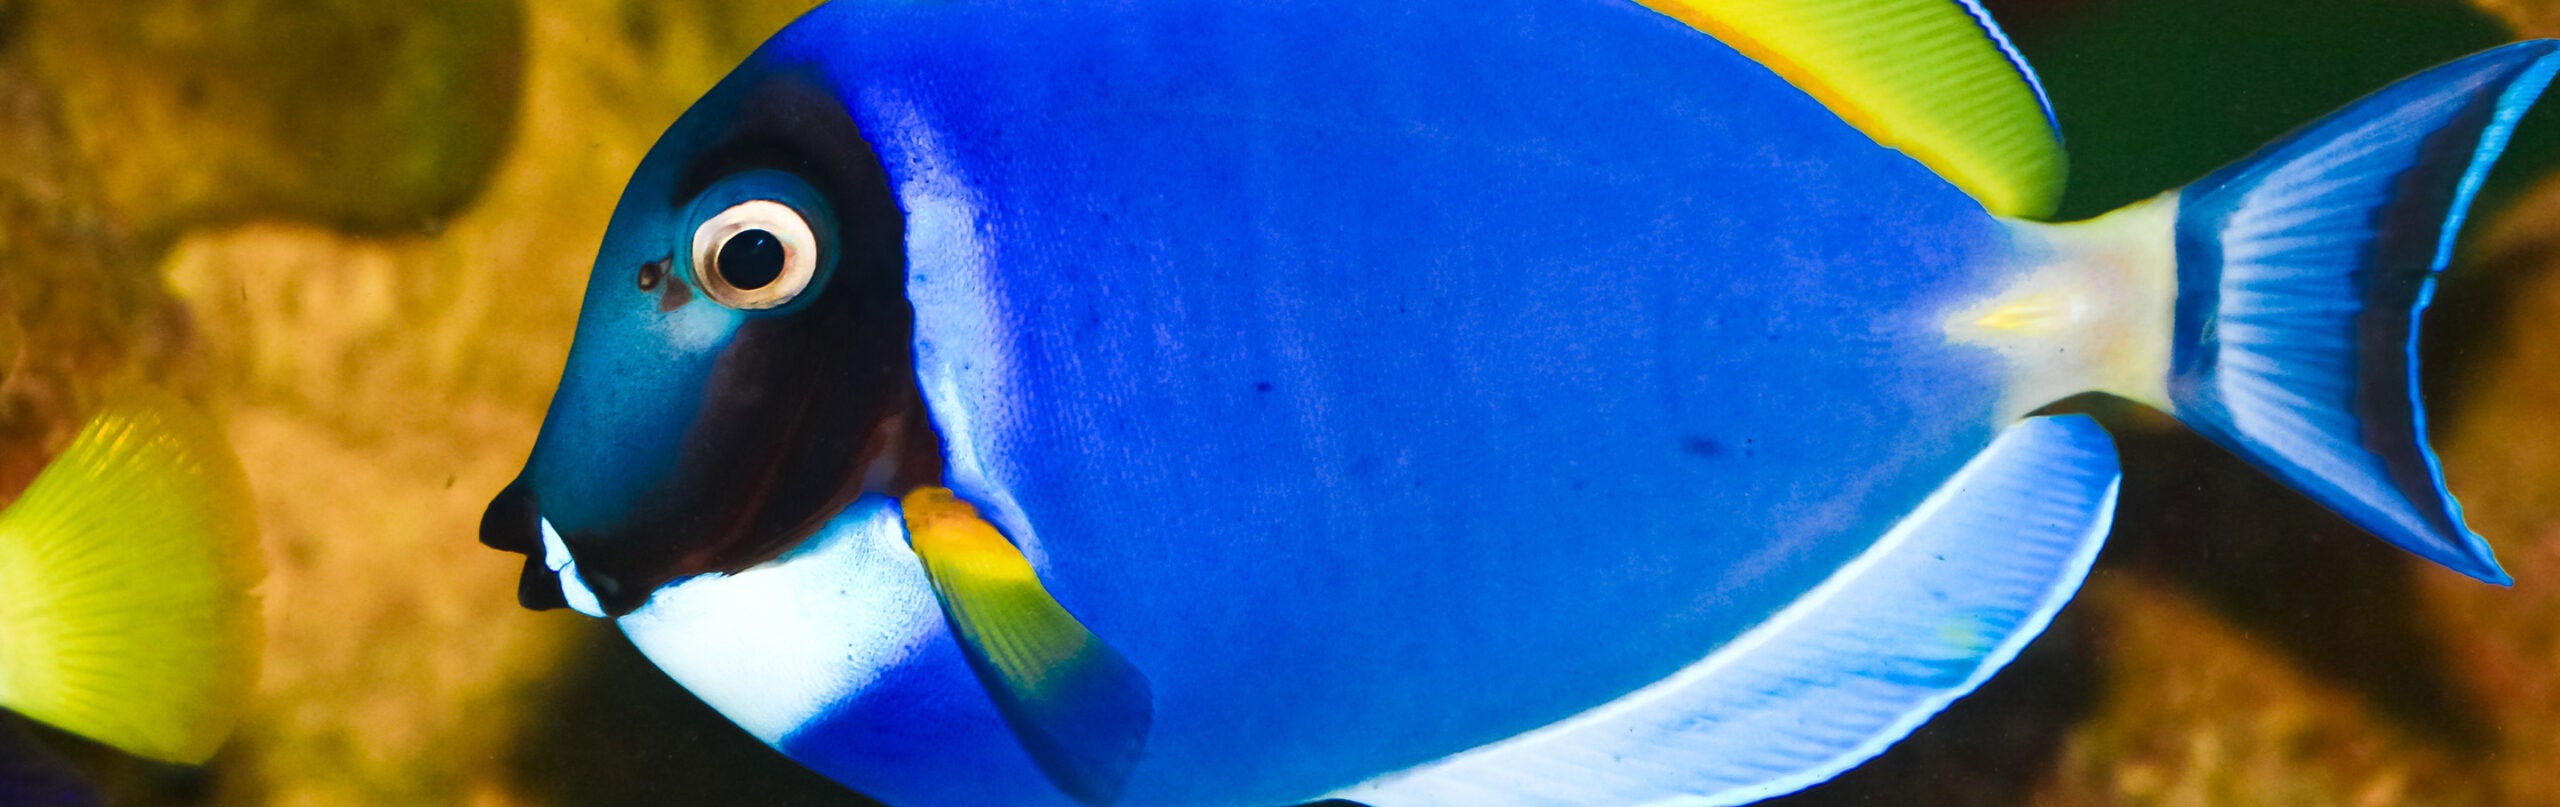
(125,572)
(1933,78)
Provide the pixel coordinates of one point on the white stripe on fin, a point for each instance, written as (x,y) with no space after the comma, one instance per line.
(1982,17)
(1947,598)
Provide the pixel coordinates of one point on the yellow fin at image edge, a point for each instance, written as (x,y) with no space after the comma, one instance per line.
(126,568)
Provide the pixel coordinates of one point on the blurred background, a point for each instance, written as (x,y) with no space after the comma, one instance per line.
(357,231)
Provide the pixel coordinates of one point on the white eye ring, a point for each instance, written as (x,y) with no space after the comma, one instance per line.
(799,253)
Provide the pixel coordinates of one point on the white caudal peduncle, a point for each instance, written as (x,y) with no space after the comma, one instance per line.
(2090,306)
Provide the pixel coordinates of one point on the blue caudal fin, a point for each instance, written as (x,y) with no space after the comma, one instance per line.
(1947,598)
(2301,272)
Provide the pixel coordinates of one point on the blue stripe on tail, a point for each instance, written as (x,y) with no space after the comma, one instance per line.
(2302,271)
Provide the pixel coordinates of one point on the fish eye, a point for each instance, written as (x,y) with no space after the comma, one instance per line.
(756,254)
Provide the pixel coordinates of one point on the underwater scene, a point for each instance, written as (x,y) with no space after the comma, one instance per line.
(1971,509)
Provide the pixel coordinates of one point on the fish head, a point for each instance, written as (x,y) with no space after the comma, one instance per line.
(741,361)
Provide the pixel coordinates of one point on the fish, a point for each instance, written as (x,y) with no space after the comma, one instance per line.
(128,609)
(1526,402)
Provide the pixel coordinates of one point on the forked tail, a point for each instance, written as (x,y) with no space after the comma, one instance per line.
(2302,272)
(2273,306)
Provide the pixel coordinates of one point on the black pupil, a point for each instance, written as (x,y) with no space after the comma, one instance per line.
(751,259)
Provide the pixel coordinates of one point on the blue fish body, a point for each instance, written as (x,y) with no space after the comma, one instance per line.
(1326,372)
(1383,382)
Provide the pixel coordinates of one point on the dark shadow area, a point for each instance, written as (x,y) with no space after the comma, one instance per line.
(1994,746)
(2289,573)
(2153,94)
(33,774)
(13,18)
(41,766)
(615,732)
(371,118)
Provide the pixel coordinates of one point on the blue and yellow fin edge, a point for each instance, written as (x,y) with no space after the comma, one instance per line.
(1935,79)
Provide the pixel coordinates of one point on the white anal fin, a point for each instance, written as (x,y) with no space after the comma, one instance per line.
(1947,598)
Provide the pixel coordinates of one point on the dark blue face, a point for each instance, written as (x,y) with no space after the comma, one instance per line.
(742,368)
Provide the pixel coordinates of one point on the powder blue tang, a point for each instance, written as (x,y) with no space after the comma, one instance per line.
(1387,382)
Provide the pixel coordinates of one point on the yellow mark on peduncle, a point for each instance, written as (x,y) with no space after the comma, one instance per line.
(2029,313)
(2089,306)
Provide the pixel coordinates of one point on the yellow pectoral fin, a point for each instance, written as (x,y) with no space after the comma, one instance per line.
(125,573)
(1080,708)
(1932,78)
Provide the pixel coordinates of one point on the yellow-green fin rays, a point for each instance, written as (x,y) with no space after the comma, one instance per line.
(1076,705)
(125,569)
(1933,78)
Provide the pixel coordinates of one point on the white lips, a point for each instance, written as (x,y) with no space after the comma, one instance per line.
(555,555)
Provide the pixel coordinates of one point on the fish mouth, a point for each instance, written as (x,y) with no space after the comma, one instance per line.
(572,586)
(514,523)
(551,578)
(902,453)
